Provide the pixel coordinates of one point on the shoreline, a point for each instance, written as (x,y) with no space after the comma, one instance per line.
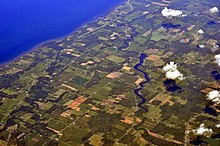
(38,46)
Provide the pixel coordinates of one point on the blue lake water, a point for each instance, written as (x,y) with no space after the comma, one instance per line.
(215,75)
(27,23)
(170,25)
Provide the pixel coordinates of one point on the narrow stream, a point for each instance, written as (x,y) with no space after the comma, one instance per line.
(147,80)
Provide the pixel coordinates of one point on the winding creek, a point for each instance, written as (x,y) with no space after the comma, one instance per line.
(147,80)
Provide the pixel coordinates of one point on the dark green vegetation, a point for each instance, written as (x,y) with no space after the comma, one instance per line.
(80,89)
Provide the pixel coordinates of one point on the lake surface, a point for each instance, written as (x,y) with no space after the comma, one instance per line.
(27,23)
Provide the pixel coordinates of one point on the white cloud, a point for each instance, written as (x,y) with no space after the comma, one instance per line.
(214,10)
(217,125)
(216,100)
(172,72)
(216,46)
(172,66)
(214,96)
(174,75)
(202,130)
(171,12)
(201,31)
(217,59)
(201,46)
(184,15)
